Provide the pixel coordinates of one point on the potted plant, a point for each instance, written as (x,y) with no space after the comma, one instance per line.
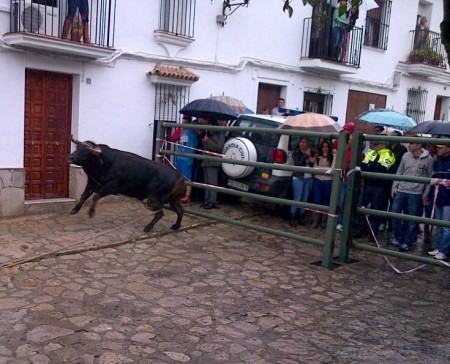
(417,56)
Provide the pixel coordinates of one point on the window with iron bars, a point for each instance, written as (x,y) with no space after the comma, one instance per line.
(416,103)
(177,17)
(377,25)
(169,100)
(318,101)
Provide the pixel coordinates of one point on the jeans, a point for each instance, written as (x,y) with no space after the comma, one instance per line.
(300,188)
(342,196)
(413,205)
(337,36)
(82,6)
(443,233)
(322,191)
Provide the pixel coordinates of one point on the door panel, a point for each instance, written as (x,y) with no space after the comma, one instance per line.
(268,96)
(358,102)
(47,134)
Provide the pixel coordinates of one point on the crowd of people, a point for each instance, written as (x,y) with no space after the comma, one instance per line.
(401,197)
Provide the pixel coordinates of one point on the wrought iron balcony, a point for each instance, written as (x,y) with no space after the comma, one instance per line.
(53,25)
(317,43)
(427,48)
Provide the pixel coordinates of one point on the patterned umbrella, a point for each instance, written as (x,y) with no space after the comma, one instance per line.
(209,108)
(236,104)
(310,121)
(435,127)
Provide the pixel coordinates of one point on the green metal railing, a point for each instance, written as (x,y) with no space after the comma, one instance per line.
(350,207)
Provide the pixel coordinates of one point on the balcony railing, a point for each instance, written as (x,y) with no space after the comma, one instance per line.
(317,42)
(427,48)
(92,24)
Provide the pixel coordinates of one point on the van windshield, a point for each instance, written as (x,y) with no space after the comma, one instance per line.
(268,140)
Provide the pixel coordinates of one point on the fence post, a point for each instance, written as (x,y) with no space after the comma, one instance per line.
(330,233)
(351,198)
(158,142)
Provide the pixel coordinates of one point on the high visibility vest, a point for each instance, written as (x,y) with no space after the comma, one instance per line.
(384,156)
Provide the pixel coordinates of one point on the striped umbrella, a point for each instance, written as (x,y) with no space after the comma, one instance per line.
(235,104)
(310,121)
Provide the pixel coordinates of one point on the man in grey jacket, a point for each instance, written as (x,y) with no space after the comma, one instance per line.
(409,196)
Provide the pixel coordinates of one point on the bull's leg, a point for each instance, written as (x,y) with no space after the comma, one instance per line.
(175,202)
(88,191)
(95,199)
(156,218)
(176,205)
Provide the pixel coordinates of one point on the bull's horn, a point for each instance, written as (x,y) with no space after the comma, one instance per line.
(86,145)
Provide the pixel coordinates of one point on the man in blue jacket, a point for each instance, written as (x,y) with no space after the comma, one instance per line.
(441,171)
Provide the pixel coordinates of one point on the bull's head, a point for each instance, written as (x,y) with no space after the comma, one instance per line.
(86,152)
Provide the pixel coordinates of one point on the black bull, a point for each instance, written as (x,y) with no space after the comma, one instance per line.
(111,171)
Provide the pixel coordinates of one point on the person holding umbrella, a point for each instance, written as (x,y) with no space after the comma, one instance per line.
(211,142)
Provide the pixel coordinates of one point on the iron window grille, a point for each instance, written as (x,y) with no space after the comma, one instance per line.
(416,103)
(318,101)
(177,17)
(377,25)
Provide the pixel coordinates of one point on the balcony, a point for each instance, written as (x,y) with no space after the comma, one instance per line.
(317,55)
(427,57)
(43,26)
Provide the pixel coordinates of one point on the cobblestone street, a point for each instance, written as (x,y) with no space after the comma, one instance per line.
(209,293)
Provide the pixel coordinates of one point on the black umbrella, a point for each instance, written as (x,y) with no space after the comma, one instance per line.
(204,108)
(435,127)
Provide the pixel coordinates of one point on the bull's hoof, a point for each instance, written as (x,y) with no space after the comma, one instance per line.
(175,226)
(148,228)
(74,211)
(91,213)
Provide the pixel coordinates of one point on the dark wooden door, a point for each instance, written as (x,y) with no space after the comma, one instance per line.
(358,102)
(48,98)
(268,96)
(438,108)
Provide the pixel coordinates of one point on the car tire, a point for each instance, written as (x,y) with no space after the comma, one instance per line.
(240,149)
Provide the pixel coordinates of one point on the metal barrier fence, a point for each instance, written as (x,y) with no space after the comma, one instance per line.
(350,207)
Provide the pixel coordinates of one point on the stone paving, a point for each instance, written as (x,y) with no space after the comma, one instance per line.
(210,293)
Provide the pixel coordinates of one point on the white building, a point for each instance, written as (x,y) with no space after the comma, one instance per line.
(149,58)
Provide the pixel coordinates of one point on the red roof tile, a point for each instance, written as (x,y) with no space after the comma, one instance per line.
(173,72)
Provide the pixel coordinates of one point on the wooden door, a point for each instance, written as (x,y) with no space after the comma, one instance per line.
(268,96)
(438,108)
(358,102)
(48,113)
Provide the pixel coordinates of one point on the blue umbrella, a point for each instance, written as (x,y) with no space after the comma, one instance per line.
(204,108)
(388,118)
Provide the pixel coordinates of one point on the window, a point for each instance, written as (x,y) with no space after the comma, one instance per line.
(377,25)
(416,104)
(169,100)
(318,101)
(177,17)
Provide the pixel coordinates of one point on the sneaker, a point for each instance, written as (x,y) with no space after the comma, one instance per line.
(403,248)
(394,242)
(186,199)
(382,227)
(440,256)
(433,252)
(339,227)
